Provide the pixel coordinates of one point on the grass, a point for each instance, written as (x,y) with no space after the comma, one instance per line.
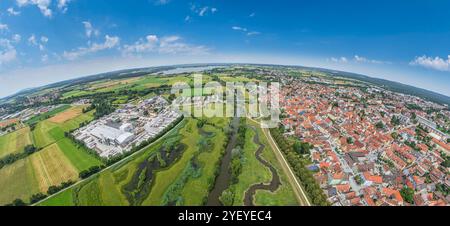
(17,181)
(60,159)
(253,171)
(284,195)
(196,189)
(63,199)
(48,114)
(79,158)
(47,132)
(52,167)
(15,142)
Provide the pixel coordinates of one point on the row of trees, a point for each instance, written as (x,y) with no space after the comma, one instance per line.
(312,188)
(40,196)
(11,158)
(91,171)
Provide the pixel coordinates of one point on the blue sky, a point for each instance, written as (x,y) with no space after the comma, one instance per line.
(44,41)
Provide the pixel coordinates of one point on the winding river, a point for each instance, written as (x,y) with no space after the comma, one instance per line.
(273,185)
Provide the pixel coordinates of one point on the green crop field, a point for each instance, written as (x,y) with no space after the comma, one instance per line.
(15,142)
(47,132)
(48,114)
(78,157)
(17,181)
(60,159)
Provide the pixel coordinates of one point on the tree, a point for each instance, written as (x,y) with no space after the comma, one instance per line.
(29,149)
(18,202)
(407,194)
(37,197)
(227,198)
(379,125)
(395,121)
(172,97)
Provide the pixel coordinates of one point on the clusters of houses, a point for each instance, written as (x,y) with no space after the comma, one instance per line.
(368,145)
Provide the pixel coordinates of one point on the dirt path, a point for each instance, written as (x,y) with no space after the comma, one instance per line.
(298,190)
(273,185)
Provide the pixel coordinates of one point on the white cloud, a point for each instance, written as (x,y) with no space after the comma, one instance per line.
(7,52)
(16,38)
(32,40)
(237,28)
(251,33)
(90,30)
(187,18)
(161,2)
(203,11)
(12,12)
(43,5)
(44,39)
(361,59)
(149,44)
(165,45)
(338,60)
(243,29)
(252,15)
(110,42)
(356,59)
(436,63)
(62,5)
(3,27)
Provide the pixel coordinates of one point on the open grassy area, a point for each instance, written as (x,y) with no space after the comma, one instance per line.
(59,161)
(17,181)
(15,142)
(68,114)
(35,173)
(253,171)
(77,156)
(52,167)
(47,132)
(284,196)
(195,189)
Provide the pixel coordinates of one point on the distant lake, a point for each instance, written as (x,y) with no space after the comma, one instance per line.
(186,70)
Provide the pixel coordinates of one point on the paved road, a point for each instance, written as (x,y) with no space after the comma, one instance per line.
(298,189)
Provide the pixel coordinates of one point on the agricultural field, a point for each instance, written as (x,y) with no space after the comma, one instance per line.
(136,84)
(46,115)
(35,173)
(15,142)
(60,160)
(47,132)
